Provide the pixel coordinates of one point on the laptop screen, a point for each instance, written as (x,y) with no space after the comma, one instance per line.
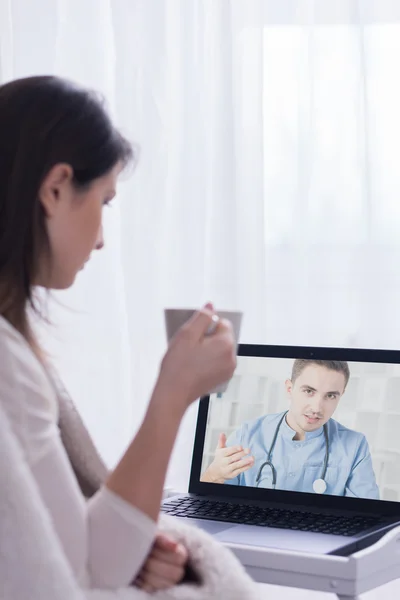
(322,426)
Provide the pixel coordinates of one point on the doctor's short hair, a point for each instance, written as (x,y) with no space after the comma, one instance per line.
(339,366)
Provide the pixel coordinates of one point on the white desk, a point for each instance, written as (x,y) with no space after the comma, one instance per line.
(371,574)
(368,574)
(390,591)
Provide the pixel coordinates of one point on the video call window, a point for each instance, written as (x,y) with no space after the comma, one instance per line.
(332,427)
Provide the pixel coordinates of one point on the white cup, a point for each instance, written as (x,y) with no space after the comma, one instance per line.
(176,317)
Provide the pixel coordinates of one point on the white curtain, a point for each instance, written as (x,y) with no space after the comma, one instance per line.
(268,180)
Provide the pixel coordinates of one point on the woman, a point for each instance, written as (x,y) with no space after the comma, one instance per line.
(60,158)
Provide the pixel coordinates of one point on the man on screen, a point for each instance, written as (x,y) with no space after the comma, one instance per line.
(302,449)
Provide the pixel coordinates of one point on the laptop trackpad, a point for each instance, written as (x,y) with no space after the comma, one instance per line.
(285,539)
(212,527)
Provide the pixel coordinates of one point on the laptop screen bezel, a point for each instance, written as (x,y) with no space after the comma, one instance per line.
(382,507)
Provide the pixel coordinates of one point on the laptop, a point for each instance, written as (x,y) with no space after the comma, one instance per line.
(301,453)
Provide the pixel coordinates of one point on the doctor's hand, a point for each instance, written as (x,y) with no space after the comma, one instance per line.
(228,462)
(200,356)
(164,567)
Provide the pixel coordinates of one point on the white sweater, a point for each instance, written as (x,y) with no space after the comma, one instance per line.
(50,536)
(87,530)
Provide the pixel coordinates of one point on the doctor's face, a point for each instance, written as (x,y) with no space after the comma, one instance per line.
(314,396)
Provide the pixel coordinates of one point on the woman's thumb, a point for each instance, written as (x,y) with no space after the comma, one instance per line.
(164,542)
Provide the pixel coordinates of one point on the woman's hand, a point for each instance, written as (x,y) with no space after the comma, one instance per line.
(196,362)
(229,462)
(165,566)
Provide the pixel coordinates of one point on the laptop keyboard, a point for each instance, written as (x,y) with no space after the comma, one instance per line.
(268,517)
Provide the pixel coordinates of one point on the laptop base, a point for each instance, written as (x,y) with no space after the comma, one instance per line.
(270,537)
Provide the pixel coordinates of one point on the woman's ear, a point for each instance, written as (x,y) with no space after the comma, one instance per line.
(55,186)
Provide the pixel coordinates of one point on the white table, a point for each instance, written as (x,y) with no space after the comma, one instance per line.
(369,574)
(390,591)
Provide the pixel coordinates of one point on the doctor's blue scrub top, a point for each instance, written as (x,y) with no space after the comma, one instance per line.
(299,463)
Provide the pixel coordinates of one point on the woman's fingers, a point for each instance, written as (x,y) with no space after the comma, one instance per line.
(179,557)
(164,542)
(165,567)
(160,574)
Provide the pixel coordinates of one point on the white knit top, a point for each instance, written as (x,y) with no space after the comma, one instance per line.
(105,539)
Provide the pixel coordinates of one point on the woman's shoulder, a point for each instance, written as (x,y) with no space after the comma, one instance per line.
(26,393)
(16,356)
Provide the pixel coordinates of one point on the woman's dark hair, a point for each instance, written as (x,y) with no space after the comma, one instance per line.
(43,121)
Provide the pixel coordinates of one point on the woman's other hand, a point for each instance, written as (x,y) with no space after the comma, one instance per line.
(165,565)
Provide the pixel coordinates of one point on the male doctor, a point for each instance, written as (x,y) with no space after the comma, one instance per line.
(302,449)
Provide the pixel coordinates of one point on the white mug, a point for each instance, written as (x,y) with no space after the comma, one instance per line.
(176,317)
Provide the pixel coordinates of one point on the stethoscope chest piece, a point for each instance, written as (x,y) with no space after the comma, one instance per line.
(319,486)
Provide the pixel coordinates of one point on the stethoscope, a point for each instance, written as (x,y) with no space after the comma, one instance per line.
(319,485)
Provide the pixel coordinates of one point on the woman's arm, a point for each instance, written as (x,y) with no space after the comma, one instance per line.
(194,364)
(33,563)
(139,477)
(107,539)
